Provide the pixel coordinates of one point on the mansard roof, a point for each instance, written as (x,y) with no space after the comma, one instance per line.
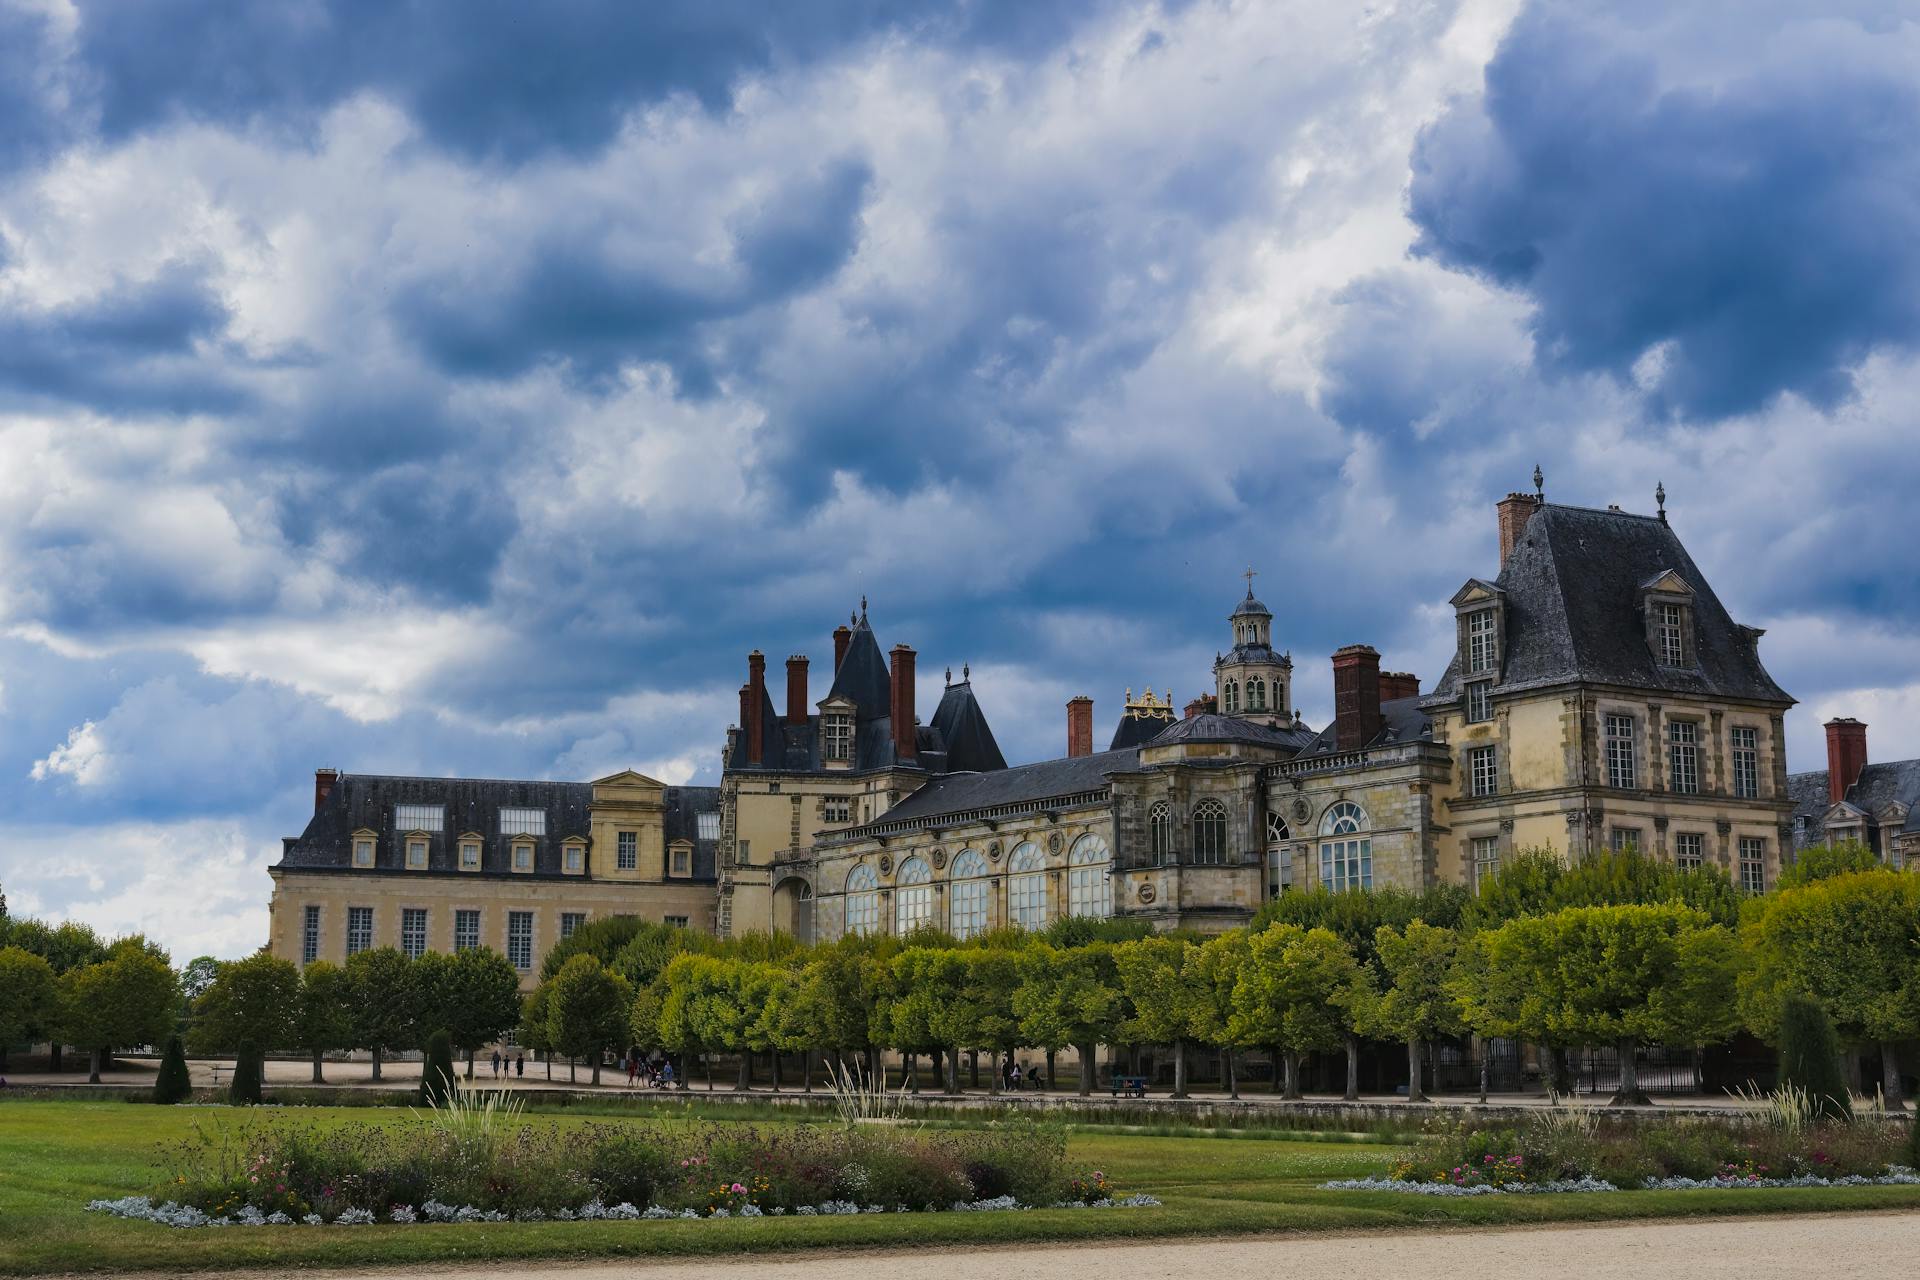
(1879,786)
(1208,727)
(1137,730)
(958,793)
(1401,720)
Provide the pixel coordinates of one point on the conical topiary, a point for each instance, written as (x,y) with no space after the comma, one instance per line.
(172,1085)
(245,1090)
(436,1072)
(1810,1058)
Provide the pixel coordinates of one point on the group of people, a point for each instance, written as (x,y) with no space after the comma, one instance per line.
(649,1073)
(1017,1077)
(514,1066)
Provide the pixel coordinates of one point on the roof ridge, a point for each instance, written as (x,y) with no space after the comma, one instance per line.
(1599,511)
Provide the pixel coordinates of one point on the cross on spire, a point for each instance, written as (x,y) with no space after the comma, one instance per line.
(1250,575)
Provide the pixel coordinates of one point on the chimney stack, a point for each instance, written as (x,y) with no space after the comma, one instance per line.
(901,668)
(1080,726)
(1398,684)
(1356,696)
(842,637)
(1515,510)
(1201,706)
(1846,756)
(797,689)
(323,780)
(753,721)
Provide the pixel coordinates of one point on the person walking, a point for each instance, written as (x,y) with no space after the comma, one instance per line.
(496,1064)
(520,1065)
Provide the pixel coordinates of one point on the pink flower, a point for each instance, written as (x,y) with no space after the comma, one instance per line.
(737,1189)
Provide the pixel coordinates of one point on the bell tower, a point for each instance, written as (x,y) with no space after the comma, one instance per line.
(1250,680)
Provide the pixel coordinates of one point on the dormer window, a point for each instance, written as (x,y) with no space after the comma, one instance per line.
(470,854)
(523,856)
(1673,635)
(419,817)
(573,858)
(523,822)
(836,744)
(416,855)
(1482,649)
(1668,601)
(363,851)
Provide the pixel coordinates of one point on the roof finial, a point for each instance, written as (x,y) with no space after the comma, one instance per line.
(1660,498)
(966,671)
(949,677)
(1539,484)
(1249,576)
(863,606)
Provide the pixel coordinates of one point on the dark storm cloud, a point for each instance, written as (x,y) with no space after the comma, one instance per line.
(1758,222)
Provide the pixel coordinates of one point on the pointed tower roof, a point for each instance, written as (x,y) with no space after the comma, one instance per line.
(963,727)
(863,677)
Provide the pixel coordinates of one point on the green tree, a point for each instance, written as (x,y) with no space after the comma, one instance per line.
(1213,972)
(124,1001)
(198,977)
(534,1036)
(1162,1004)
(254,999)
(1810,1057)
(603,937)
(475,997)
(1297,991)
(983,1016)
(587,1009)
(29,999)
(384,1002)
(1414,1004)
(436,1070)
(172,1084)
(1536,882)
(1821,862)
(1356,916)
(66,947)
(927,1014)
(1070,997)
(323,1019)
(249,1072)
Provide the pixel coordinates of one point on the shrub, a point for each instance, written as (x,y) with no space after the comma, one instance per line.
(172,1084)
(436,1072)
(245,1088)
(1810,1057)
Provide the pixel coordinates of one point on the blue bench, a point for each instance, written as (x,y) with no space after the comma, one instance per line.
(1131,1086)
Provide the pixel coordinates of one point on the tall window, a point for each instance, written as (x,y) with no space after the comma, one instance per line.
(419,817)
(359,929)
(1089,891)
(1346,850)
(626,855)
(1689,850)
(413,931)
(573,858)
(681,854)
(1479,701)
(1753,864)
(1620,754)
(1486,859)
(837,737)
(1683,751)
(1026,888)
(466,930)
(469,855)
(863,900)
(416,855)
(1480,646)
(1673,635)
(520,940)
(1230,697)
(363,853)
(1279,872)
(571,920)
(523,857)
(967,894)
(1256,694)
(1746,762)
(523,822)
(912,897)
(1160,832)
(1483,767)
(706,825)
(1209,833)
(310,935)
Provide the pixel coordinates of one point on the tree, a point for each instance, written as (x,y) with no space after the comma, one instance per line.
(533,1024)
(254,999)
(1414,1004)
(198,976)
(983,1017)
(1070,998)
(931,984)
(1213,972)
(248,1069)
(123,1001)
(29,999)
(323,1018)
(1356,916)
(1536,882)
(587,1009)
(1810,1057)
(475,998)
(1852,942)
(66,947)
(172,1084)
(436,1070)
(1821,862)
(1297,990)
(385,1012)
(1162,1004)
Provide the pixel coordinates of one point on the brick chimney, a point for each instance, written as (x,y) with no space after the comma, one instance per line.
(1398,684)
(323,780)
(756,708)
(1356,696)
(1515,510)
(1204,705)
(797,689)
(842,637)
(1080,726)
(901,668)
(1846,756)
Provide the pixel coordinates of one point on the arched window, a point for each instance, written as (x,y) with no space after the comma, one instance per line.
(863,900)
(1346,850)
(1256,694)
(1089,890)
(1209,833)
(1160,833)
(1027,888)
(1230,697)
(913,897)
(967,895)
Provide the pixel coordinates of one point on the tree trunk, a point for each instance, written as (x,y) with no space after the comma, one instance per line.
(706,1069)
(376,1062)
(1279,1073)
(1486,1067)
(1353,1069)
(773,1063)
(1233,1075)
(573,1069)
(93,1067)
(317,1077)
(548,1056)
(806,1070)
(1050,1084)
(973,1067)
(996,1078)
(469,1064)
(54,1062)
(1895,1097)
(1559,1072)
(953,1071)
(1629,1094)
(597,1055)
(743,1080)
(1086,1070)
(1415,1091)
(1179,1068)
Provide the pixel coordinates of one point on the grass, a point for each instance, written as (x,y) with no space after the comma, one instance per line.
(55,1156)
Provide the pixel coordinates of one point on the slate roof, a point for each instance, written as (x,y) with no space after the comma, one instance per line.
(1878,786)
(360,801)
(1250,608)
(1402,720)
(963,792)
(1137,731)
(1573,612)
(863,675)
(1208,727)
(964,732)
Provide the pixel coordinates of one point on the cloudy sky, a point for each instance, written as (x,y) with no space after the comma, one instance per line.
(465,387)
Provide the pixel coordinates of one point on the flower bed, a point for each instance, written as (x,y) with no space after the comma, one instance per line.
(1471,1189)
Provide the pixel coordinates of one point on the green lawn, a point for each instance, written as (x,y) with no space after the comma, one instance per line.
(54,1156)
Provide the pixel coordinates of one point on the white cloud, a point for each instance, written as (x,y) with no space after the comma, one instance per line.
(82,757)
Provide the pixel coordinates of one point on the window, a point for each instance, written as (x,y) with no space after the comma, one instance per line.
(571,920)
(1620,756)
(1209,833)
(416,855)
(574,858)
(1279,872)
(967,895)
(523,822)
(1026,888)
(419,817)
(310,935)
(1480,646)
(674,922)
(1623,839)
(1256,694)
(627,850)
(836,811)
(520,940)
(745,853)
(469,855)
(706,826)
(1483,766)
(413,932)
(863,900)
(466,930)
(1753,864)
(1277,830)
(1486,860)
(682,856)
(1683,750)
(523,857)
(1689,850)
(1089,892)
(773,788)
(913,896)
(363,853)
(1230,697)
(837,737)
(1160,832)
(1479,701)
(359,929)
(1673,635)
(1746,763)
(1346,861)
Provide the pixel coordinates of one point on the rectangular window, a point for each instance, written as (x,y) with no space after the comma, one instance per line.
(363,853)
(1746,763)
(1689,850)
(1480,654)
(1279,872)
(1683,751)
(523,857)
(628,856)
(571,920)
(745,856)
(706,826)
(1753,864)
(520,940)
(1621,839)
(1479,701)
(863,913)
(967,907)
(469,855)
(575,858)
(1027,901)
(359,929)
(675,922)
(310,936)
(1484,770)
(1673,636)
(523,822)
(680,867)
(466,930)
(413,932)
(416,855)
(1346,864)
(1621,761)
(837,811)
(419,817)
(837,740)
(1486,859)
